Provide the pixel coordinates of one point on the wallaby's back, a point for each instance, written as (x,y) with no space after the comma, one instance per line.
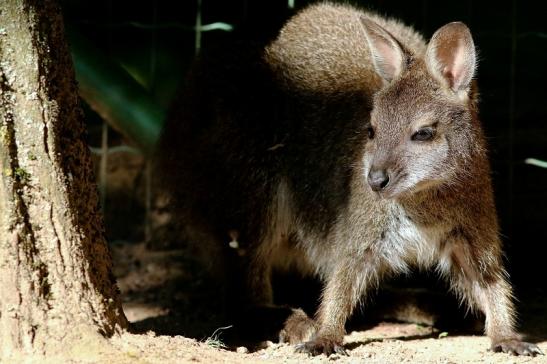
(327,52)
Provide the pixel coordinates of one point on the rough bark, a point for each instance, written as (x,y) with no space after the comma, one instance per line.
(55,268)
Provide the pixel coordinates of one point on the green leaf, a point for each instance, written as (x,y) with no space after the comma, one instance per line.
(118,98)
(536,162)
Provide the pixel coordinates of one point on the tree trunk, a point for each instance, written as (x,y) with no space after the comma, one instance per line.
(56,281)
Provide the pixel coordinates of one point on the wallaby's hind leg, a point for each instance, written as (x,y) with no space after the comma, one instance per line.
(297,328)
(275,249)
(289,325)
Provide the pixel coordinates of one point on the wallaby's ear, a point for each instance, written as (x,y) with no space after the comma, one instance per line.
(387,54)
(451,56)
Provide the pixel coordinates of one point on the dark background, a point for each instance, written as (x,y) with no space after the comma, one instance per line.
(155,42)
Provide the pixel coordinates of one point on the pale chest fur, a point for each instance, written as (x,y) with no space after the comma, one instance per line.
(382,237)
(404,243)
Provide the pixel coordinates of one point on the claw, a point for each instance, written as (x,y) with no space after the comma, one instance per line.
(301,348)
(340,350)
(516,347)
(320,346)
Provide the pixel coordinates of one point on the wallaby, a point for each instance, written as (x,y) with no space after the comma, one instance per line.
(350,149)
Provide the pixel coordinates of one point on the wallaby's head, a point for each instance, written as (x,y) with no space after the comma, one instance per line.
(422,128)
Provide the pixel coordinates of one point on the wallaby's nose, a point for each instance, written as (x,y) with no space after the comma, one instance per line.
(378,179)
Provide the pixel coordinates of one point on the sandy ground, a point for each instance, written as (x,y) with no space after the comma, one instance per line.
(160,301)
(385,343)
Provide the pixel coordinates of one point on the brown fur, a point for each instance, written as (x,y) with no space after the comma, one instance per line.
(276,147)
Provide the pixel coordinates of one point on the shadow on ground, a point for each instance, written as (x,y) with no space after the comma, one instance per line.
(166,292)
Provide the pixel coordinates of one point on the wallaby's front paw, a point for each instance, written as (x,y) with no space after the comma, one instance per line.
(320,346)
(298,328)
(516,347)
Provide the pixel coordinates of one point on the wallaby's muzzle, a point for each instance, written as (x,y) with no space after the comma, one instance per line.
(378,179)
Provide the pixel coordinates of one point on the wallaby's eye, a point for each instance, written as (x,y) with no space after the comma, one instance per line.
(424,134)
(370,132)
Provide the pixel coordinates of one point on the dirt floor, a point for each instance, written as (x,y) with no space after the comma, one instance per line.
(385,343)
(173,321)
